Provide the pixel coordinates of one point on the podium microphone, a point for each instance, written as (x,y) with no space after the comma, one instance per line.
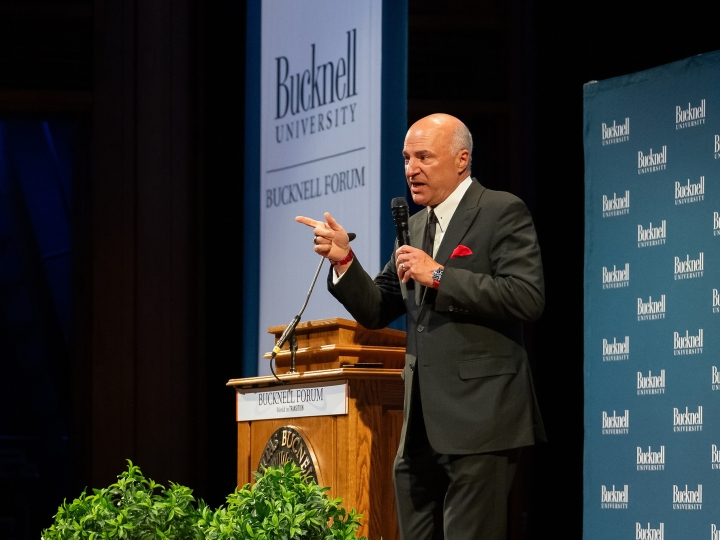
(290,328)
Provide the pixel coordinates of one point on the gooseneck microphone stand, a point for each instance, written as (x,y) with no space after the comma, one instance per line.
(289,332)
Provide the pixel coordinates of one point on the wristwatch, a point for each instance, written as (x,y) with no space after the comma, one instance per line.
(437,276)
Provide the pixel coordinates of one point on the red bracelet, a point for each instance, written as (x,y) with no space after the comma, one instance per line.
(349,257)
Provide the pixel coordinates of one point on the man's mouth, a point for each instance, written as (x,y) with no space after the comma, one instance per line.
(414,185)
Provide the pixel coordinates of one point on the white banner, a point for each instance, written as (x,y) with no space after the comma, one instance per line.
(320,146)
(292,401)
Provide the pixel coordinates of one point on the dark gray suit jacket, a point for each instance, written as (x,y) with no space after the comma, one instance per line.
(465,339)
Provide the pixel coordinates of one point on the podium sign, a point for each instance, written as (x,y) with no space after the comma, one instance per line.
(292,401)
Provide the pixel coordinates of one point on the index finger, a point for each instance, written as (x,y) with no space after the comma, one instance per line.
(308,221)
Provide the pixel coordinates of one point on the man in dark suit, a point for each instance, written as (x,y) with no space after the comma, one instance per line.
(469,279)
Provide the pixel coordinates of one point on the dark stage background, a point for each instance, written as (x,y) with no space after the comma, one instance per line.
(157,90)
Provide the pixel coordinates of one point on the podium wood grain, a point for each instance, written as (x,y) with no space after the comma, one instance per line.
(332,343)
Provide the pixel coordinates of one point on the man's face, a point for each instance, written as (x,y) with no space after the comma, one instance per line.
(430,168)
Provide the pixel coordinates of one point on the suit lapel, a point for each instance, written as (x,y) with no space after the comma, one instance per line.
(417,229)
(459,224)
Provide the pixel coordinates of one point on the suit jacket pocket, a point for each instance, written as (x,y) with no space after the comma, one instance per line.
(486,367)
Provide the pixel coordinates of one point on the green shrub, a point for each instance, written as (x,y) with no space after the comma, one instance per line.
(134,508)
(281,505)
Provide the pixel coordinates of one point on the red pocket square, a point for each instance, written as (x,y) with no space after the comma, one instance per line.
(461,251)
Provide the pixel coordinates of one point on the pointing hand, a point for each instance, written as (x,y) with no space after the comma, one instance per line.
(330,240)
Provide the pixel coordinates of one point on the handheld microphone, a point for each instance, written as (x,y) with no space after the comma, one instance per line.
(400,214)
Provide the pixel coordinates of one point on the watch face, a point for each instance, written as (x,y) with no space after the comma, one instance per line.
(437,274)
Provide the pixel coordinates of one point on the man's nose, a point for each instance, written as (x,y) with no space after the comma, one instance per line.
(411,168)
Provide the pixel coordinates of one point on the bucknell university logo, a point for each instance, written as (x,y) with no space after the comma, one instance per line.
(689,268)
(650,461)
(652,161)
(717,147)
(287,444)
(715,378)
(316,84)
(613,351)
(692,116)
(616,133)
(643,533)
(616,499)
(715,301)
(651,310)
(714,532)
(688,344)
(716,222)
(617,206)
(616,425)
(652,236)
(687,499)
(616,278)
(652,384)
(690,192)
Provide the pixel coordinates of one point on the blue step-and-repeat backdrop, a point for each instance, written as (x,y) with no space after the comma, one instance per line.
(652,307)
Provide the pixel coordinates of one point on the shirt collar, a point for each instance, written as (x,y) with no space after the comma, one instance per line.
(445,210)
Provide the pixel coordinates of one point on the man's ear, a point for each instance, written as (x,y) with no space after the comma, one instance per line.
(462,160)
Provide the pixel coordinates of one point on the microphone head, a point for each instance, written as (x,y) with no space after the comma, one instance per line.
(400,210)
(351,236)
(398,202)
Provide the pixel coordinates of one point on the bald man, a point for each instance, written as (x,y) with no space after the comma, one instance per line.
(470,278)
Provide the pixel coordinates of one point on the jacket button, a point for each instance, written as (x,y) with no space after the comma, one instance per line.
(412,367)
(420,328)
(450,308)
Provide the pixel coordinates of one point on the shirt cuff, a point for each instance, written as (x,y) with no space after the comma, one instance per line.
(336,278)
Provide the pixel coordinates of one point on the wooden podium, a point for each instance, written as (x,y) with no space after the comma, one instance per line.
(352,452)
